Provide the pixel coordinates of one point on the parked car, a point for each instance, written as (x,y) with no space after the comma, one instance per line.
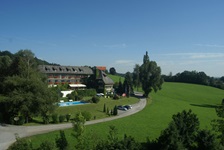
(128,106)
(122,108)
(99,94)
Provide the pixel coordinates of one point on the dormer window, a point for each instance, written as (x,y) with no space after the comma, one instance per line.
(47,68)
(68,69)
(74,69)
(54,69)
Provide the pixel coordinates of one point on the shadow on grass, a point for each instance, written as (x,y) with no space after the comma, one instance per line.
(205,105)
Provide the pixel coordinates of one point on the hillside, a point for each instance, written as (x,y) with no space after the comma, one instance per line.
(173,98)
(116,78)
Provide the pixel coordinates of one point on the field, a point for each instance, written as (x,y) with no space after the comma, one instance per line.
(96,110)
(116,78)
(173,98)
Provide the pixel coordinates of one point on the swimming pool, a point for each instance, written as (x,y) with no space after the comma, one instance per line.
(72,103)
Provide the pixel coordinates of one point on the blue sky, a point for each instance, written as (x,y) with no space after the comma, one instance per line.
(178,34)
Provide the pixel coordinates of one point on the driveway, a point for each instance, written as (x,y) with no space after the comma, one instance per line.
(7,132)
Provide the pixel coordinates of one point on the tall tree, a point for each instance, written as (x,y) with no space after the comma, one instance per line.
(136,76)
(128,84)
(150,76)
(181,132)
(5,62)
(25,89)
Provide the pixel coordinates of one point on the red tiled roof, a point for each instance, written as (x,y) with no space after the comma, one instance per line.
(102,68)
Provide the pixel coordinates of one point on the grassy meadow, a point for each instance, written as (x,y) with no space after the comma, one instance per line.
(116,78)
(173,98)
(96,109)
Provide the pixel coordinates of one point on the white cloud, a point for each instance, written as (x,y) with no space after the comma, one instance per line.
(196,55)
(207,55)
(210,63)
(210,45)
(124,62)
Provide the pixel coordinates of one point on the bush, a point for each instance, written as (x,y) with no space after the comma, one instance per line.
(116,97)
(61,141)
(87,115)
(104,107)
(47,145)
(70,96)
(87,92)
(115,111)
(95,99)
(68,116)
(21,144)
(61,118)
(19,121)
(55,118)
(46,119)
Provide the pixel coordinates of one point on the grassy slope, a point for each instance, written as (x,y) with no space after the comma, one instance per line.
(173,98)
(116,78)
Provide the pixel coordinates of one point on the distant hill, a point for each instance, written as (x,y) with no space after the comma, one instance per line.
(38,61)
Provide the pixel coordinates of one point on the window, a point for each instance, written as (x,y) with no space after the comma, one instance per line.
(68,69)
(47,68)
(74,69)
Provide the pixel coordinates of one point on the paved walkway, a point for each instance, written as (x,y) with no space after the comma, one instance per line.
(7,132)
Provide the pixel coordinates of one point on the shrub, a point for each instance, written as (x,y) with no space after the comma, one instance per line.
(55,118)
(61,141)
(78,97)
(46,119)
(104,107)
(87,92)
(61,118)
(116,97)
(115,111)
(87,115)
(68,116)
(21,144)
(70,96)
(95,99)
(47,145)
(21,120)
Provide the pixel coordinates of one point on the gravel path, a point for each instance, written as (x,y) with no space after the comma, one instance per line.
(7,132)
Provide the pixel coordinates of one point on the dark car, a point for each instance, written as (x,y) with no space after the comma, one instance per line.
(128,106)
(122,108)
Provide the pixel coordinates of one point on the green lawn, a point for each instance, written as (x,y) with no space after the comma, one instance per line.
(116,78)
(173,98)
(96,109)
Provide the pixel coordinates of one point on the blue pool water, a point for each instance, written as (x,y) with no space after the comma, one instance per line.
(71,103)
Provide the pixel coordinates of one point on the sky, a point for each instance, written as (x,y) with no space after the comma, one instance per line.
(178,34)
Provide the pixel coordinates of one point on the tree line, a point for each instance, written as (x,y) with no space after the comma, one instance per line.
(195,78)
